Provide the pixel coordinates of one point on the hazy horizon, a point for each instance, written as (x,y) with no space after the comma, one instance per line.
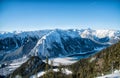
(18,31)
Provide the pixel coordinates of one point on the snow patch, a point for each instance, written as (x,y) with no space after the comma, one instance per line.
(116,74)
(65,71)
(62,60)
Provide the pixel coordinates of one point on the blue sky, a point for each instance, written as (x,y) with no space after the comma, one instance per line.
(30,15)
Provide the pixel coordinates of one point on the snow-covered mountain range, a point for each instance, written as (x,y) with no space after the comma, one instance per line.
(53,43)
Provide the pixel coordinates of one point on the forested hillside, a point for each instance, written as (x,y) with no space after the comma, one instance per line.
(101,63)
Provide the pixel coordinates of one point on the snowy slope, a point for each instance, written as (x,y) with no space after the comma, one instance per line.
(110,35)
(12,66)
(116,74)
(99,33)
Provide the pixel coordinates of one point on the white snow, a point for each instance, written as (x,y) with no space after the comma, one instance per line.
(11,67)
(92,59)
(40,74)
(86,33)
(66,71)
(62,60)
(16,63)
(116,74)
(104,33)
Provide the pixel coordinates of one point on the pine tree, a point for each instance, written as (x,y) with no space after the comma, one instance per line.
(51,75)
(60,68)
(36,74)
(51,65)
(46,68)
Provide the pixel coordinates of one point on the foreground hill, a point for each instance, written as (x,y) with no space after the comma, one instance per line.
(101,63)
